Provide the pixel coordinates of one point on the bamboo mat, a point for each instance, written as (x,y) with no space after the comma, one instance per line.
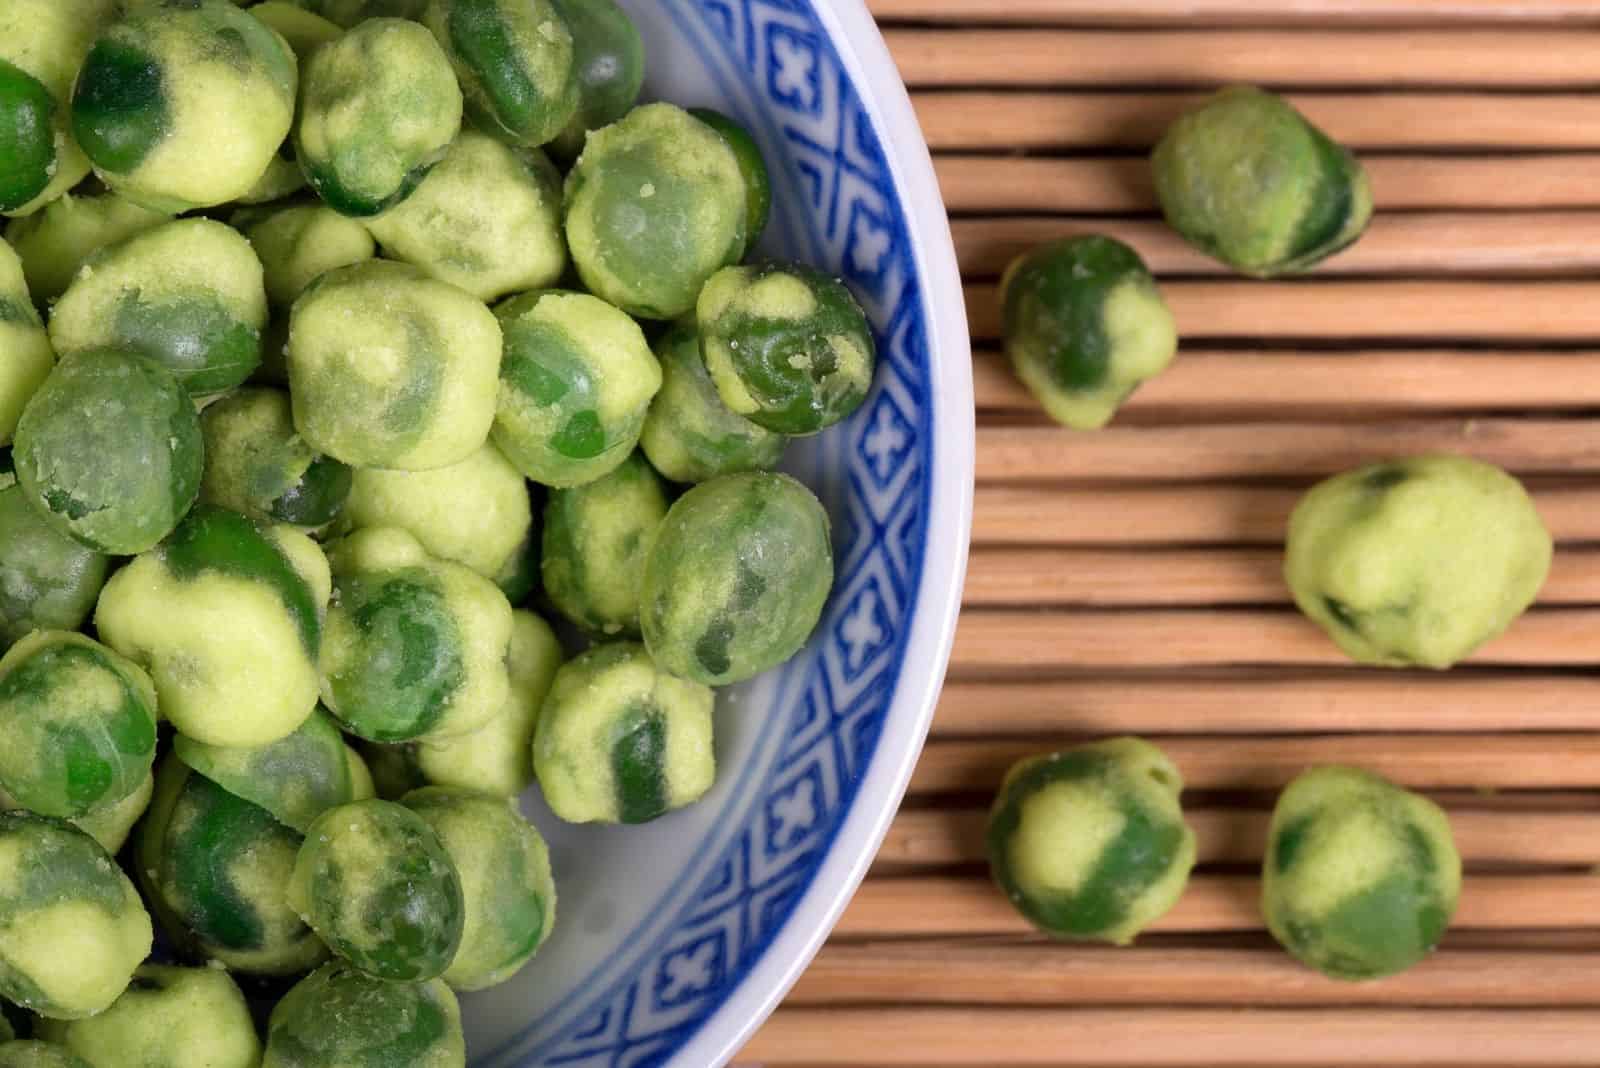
(1128,580)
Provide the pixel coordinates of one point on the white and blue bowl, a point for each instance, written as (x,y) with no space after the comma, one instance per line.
(674,940)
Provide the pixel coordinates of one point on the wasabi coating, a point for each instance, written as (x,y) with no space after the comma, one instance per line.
(226,615)
(390,368)
(497,758)
(475,512)
(79,722)
(508,893)
(109,451)
(109,826)
(575,385)
(168,1018)
(72,928)
(42,45)
(378,108)
(47,580)
(216,869)
(336,1015)
(414,647)
(787,346)
(1085,326)
(1361,877)
(283,178)
(302,30)
(757,183)
(736,577)
(182,104)
(297,243)
(187,294)
(35,1054)
(258,466)
(608,60)
(376,883)
(487,219)
(1247,180)
(54,242)
(1416,562)
(595,539)
(621,741)
(654,207)
(25,353)
(1090,843)
(515,62)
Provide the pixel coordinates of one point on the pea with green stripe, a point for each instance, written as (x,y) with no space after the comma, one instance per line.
(168,1017)
(256,465)
(47,580)
(1085,326)
(337,1015)
(32,1053)
(53,243)
(26,355)
(595,539)
(1247,179)
(300,241)
(515,60)
(1090,843)
(608,60)
(1361,877)
(621,741)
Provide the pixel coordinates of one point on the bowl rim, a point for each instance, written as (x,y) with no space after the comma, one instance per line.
(883,97)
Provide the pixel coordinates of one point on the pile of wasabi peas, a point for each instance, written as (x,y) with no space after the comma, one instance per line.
(335,338)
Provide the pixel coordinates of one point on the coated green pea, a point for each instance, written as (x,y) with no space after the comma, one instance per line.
(595,538)
(26,356)
(47,580)
(304,31)
(109,826)
(168,1018)
(27,136)
(256,464)
(54,242)
(297,243)
(757,184)
(515,62)
(337,1015)
(35,1054)
(608,58)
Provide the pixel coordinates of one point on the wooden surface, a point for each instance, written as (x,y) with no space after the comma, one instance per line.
(1129,580)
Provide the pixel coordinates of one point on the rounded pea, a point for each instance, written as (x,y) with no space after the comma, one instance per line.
(256,464)
(47,580)
(110,826)
(26,356)
(168,1018)
(36,1054)
(515,61)
(337,1015)
(303,30)
(608,58)
(297,243)
(595,538)
(757,184)
(54,242)
(736,577)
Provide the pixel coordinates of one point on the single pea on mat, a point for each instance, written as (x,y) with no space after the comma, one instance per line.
(257,465)
(72,927)
(736,577)
(621,741)
(654,207)
(1418,561)
(110,826)
(374,880)
(48,581)
(55,241)
(298,242)
(608,61)
(1361,877)
(595,539)
(35,1054)
(1085,326)
(167,1018)
(26,356)
(515,60)
(337,1015)
(1247,179)
(109,450)
(757,183)
(182,104)
(508,893)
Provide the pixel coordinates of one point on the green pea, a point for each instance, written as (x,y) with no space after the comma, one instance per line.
(757,185)
(1361,877)
(1090,843)
(736,577)
(515,62)
(299,242)
(27,136)
(47,580)
(787,346)
(608,59)
(256,464)
(282,178)
(576,382)
(336,1015)
(168,1018)
(26,356)
(109,450)
(1085,326)
(655,206)
(1416,562)
(1246,179)
(110,826)
(72,928)
(595,537)
(304,31)
(520,575)
(54,242)
(35,1054)
(620,740)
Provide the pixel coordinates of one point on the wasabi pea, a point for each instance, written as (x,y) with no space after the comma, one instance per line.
(508,893)
(486,219)
(736,577)
(497,758)
(515,62)
(187,294)
(55,242)
(109,450)
(256,464)
(347,13)
(621,741)
(109,826)
(757,184)
(1090,843)
(337,1015)
(226,615)
(168,1018)
(1248,180)
(376,883)
(595,537)
(414,647)
(299,242)
(576,383)
(379,106)
(787,346)
(390,368)
(654,207)
(47,580)
(283,178)
(35,1054)
(608,60)
(1085,326)
(72,928)
(79,722)
(183,103)
(216,869)
(302,30)
(1361,877)
(25,353)
(1416,561)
